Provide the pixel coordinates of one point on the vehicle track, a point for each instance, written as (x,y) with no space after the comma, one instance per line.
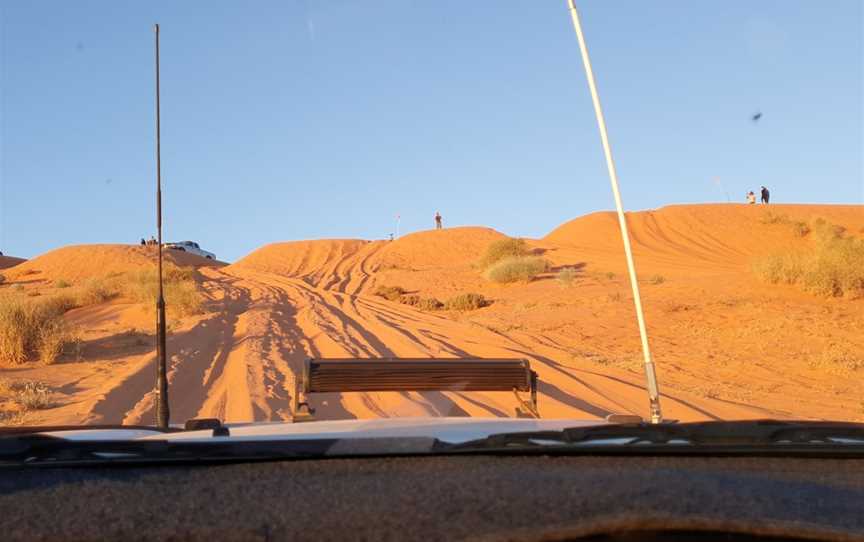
(242,363)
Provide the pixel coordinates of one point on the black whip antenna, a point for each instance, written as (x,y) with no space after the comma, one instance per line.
(162,410)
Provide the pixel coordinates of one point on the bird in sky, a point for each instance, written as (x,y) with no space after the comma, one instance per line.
(757,116)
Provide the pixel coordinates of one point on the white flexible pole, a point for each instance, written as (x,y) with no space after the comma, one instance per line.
(653,390)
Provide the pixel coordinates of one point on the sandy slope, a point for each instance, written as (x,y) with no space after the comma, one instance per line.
(726,346)
(684,237)
(74,263)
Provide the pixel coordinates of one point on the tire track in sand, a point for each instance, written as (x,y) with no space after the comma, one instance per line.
(241,364)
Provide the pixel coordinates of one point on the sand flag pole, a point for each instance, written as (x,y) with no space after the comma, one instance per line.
(162,411)
(653,389)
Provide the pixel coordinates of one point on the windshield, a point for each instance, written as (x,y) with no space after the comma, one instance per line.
(411,209)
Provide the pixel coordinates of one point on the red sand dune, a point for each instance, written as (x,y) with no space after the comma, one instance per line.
(79,262)
(686,236)
(726,345)
(349,264)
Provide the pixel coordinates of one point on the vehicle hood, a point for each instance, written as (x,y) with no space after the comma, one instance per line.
(451,430)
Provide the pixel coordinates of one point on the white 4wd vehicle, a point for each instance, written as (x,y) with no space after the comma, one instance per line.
(192,248)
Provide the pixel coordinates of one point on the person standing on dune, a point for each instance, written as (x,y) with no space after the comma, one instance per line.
(751,197)
(765,195)
(438,225)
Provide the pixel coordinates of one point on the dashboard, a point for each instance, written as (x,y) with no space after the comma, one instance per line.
(478,497)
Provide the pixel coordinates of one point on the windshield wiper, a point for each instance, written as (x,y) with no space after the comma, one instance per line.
(44,450)
(757,436)
(760,437)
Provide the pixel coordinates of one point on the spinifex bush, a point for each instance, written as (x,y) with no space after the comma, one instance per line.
(390,293)
(834,266)
(32,327)
(466,302)
(516,269)
(567,276)
(501,249)
(179,288)
(32,395)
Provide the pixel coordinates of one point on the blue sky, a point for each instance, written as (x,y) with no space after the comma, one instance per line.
(325,118)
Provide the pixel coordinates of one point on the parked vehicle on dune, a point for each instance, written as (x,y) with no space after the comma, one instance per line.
(192,248)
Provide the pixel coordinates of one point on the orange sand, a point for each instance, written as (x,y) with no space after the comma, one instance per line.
(726,345)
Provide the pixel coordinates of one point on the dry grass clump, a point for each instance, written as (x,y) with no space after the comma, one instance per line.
(390,293)
(517,269)
(833,267)
(466,302)
(34,328)
(657,279)
(509,260)
(567,276)
(838,359)
(801,229)
(837,270)
(54,338)
(772,218)
(32,395)
(179,288)
(29,394)
(429,304)
(31,328)
(398,294)
(9,419)
(501,249)
(629,363)
(412,300)
(95,291)
(826,231)
(2,278)
(782,267)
